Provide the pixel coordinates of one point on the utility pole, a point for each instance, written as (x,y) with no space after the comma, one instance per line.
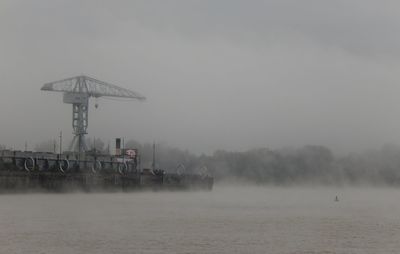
(94,145)
(60,143)
(123,150)
(154,156)
(26,146)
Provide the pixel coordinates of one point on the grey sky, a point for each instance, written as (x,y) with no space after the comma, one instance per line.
(217,74)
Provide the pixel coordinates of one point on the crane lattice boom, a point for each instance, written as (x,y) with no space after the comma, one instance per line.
(91,86)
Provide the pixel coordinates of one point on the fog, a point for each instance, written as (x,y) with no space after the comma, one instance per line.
(227,220)
(292,106)
(218,75)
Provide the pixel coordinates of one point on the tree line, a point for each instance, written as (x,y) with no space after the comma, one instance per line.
(308,164)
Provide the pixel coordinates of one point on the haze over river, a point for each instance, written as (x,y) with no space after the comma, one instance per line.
(226,220)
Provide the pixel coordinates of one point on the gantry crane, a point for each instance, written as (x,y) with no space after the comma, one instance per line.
(77,91)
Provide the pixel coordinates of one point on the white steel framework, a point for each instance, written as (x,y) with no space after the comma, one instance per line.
(77,91)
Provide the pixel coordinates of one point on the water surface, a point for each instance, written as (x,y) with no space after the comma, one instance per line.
(226,220)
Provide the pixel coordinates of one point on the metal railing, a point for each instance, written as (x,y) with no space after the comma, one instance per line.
(38,161)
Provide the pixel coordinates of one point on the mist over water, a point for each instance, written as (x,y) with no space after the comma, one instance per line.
(226,220)
(270,93)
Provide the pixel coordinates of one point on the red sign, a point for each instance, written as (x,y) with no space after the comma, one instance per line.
(131,153)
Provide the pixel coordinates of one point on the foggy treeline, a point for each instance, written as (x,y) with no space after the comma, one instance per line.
(308,164)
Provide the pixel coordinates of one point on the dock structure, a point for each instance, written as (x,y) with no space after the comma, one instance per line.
(27,171)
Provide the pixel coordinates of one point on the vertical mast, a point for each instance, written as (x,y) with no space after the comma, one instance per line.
(153,165)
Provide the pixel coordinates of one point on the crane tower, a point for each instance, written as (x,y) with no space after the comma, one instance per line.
(77,91)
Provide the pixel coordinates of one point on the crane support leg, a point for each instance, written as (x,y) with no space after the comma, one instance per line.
(80,114)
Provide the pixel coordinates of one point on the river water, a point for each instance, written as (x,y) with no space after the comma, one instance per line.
(226,220)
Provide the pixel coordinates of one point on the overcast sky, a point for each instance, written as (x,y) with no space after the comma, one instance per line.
(218,74)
